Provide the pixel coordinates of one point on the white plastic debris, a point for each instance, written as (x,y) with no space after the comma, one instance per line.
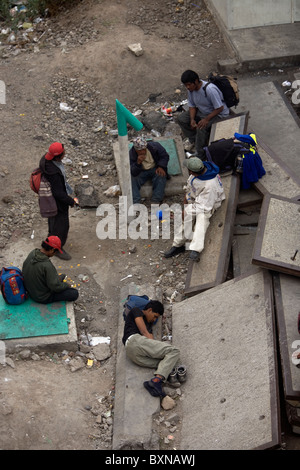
(65,107)
(129,275)
(286,83)
(113,190)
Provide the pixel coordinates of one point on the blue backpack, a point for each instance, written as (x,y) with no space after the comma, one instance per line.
(139,301)
(12,285)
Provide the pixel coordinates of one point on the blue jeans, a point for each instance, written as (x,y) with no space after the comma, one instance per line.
(158,185)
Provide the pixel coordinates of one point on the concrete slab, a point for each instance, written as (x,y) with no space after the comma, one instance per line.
(266,46)
(287,295)
(214,260)
(226,338)
(226,128)
(134,406)
(277,242)
(176,183)
(271,119)
(279,180)
(48,343)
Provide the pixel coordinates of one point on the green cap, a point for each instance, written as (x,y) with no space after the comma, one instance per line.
(194,164)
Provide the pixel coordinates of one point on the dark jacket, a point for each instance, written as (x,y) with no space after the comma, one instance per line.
(159,154)
(57,182)
(40,276)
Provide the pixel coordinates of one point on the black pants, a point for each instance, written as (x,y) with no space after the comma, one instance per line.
(59,225)
(68,295)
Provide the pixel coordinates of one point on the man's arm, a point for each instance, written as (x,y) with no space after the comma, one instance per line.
(139,321)
(204,122)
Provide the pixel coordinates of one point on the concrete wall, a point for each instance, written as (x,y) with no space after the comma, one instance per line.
(237,14)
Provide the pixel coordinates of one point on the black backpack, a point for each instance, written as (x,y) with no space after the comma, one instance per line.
(224,153)
(227,85)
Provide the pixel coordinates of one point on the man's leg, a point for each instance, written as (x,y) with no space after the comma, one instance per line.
(200,228)
(137,182)
(158,185)
(184,122)
(59,226)
(68,295)
(154,354)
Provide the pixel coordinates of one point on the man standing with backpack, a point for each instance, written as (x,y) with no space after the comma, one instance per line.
(52,167)
(206,105)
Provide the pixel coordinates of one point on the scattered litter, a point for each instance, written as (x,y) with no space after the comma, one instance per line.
(90,363)
(155,133)
(65,107)
(286,83)
(94,340)
(113,190)
(113,132)
(32,235)
(85,177)
(129,275)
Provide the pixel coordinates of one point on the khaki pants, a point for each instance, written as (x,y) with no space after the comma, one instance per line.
(151,353)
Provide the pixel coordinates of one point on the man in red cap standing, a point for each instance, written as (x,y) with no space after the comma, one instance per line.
(54,170)
(42,282)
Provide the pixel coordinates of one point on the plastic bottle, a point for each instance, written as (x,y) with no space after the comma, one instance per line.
(155,133)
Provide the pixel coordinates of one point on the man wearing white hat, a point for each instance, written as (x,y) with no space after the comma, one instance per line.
(148,161)
(204,194)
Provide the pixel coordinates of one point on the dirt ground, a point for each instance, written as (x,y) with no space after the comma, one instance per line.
(44,405)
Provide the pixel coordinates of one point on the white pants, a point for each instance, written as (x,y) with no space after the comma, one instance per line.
(193,228)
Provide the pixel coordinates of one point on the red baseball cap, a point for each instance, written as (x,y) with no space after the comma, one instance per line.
(54,242)
(55,149)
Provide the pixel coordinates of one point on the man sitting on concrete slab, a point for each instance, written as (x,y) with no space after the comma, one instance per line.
(42,282)
(148,161)
(206,106)
(145,351)
(204,194)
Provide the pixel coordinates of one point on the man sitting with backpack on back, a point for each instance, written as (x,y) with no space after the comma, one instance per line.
(145,351)
(206,106)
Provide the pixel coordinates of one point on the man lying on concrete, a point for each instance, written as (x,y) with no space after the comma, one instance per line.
(42,282)
(145,351)
(204,194)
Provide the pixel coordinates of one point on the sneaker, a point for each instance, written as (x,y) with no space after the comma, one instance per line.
(181,374)
(189,146)
(154,387)
(175,250)
(64,255)
(173,379)
(195,256)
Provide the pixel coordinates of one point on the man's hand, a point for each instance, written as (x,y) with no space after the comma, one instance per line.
(140,159)
(160,171)
(203,123)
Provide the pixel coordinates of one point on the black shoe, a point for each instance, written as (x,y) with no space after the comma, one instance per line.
(154,387)
(175,250)
(64,255)
(195,256)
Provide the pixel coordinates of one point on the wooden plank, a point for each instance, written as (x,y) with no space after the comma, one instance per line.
(226,336)
(277,239)
(287,296)
(214,260)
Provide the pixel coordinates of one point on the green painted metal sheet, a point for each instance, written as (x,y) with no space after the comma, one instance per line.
(170,146)
(32,319)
